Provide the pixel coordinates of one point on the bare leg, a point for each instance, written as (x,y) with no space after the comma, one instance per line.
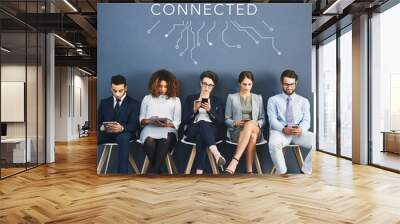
(250,153)
(250,127)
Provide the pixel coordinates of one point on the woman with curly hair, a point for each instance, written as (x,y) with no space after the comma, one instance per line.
(160,116)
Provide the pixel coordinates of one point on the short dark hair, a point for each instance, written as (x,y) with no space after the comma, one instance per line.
(289,74)
(245,74)
(167,76)
(211,75)
(118,80)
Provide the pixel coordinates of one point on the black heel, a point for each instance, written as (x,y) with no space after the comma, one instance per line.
(228,171)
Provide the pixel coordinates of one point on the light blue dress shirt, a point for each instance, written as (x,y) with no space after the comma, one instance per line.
(276,110)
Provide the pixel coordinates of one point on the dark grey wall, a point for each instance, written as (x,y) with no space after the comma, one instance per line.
(132,42)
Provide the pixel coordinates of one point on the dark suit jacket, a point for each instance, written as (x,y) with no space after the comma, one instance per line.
(128,114)
(216,114)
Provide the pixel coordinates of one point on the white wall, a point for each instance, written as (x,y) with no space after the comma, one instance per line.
(33,127)
(16,73)
(71,93)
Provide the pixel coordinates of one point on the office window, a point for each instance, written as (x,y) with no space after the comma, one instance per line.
(14,153)
(385,88)
(22,92)
(346,92)
(327,95)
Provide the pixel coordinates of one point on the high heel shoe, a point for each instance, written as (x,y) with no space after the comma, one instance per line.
(228,171)
(221,162)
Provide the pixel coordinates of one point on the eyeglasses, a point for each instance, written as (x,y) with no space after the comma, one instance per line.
(289,84)
(207,85)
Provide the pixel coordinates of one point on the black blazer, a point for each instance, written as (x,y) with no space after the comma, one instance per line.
(216,114)
(128,114)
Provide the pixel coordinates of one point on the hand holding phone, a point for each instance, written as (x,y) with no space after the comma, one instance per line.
(296,130)
(239,123)
(205,105)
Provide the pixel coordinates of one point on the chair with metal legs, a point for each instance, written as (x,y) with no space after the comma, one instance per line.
(169,162)
(256,160)
(297,152)
(107,149)
(192,156)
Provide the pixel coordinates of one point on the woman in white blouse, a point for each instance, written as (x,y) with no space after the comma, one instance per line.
(160,116)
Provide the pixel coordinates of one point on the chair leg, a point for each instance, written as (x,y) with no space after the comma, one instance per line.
(108,159)
(168,164)
(145,166)
(191,159)
(102,160)
(273,165)
(133,164)
(299,157)
(174,169)
(212,162)
(273,170)
(258,165)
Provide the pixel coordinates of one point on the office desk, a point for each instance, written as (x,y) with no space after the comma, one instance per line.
(13,150)
(391,141)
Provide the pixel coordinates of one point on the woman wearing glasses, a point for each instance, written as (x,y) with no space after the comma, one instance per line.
(244,116)
(202,114)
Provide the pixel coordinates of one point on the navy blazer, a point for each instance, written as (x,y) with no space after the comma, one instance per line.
(128,114)
(216,114)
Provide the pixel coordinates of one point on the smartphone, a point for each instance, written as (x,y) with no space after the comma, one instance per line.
(246,119)
(204,100)
(295,126)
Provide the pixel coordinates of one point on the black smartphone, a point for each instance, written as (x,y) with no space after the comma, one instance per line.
(204,100)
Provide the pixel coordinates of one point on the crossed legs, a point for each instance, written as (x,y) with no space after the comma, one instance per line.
(247,140)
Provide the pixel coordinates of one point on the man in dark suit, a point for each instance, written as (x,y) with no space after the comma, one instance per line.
(118,120)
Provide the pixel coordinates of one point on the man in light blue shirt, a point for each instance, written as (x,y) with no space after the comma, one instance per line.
(289,118)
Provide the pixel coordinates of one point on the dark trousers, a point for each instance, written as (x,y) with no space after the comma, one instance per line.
(122,139)
(157,149)
(203,133)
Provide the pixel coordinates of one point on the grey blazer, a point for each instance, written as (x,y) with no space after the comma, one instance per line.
(233,109)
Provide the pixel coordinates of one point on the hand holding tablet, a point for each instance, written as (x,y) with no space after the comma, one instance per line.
(112,126)
(160,121)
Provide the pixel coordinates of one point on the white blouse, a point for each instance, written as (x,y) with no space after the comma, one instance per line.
(202,116)
(162,107)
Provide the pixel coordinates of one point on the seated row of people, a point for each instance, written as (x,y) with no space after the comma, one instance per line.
(202,117)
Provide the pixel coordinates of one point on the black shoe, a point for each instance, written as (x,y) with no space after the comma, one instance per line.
(228,172)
